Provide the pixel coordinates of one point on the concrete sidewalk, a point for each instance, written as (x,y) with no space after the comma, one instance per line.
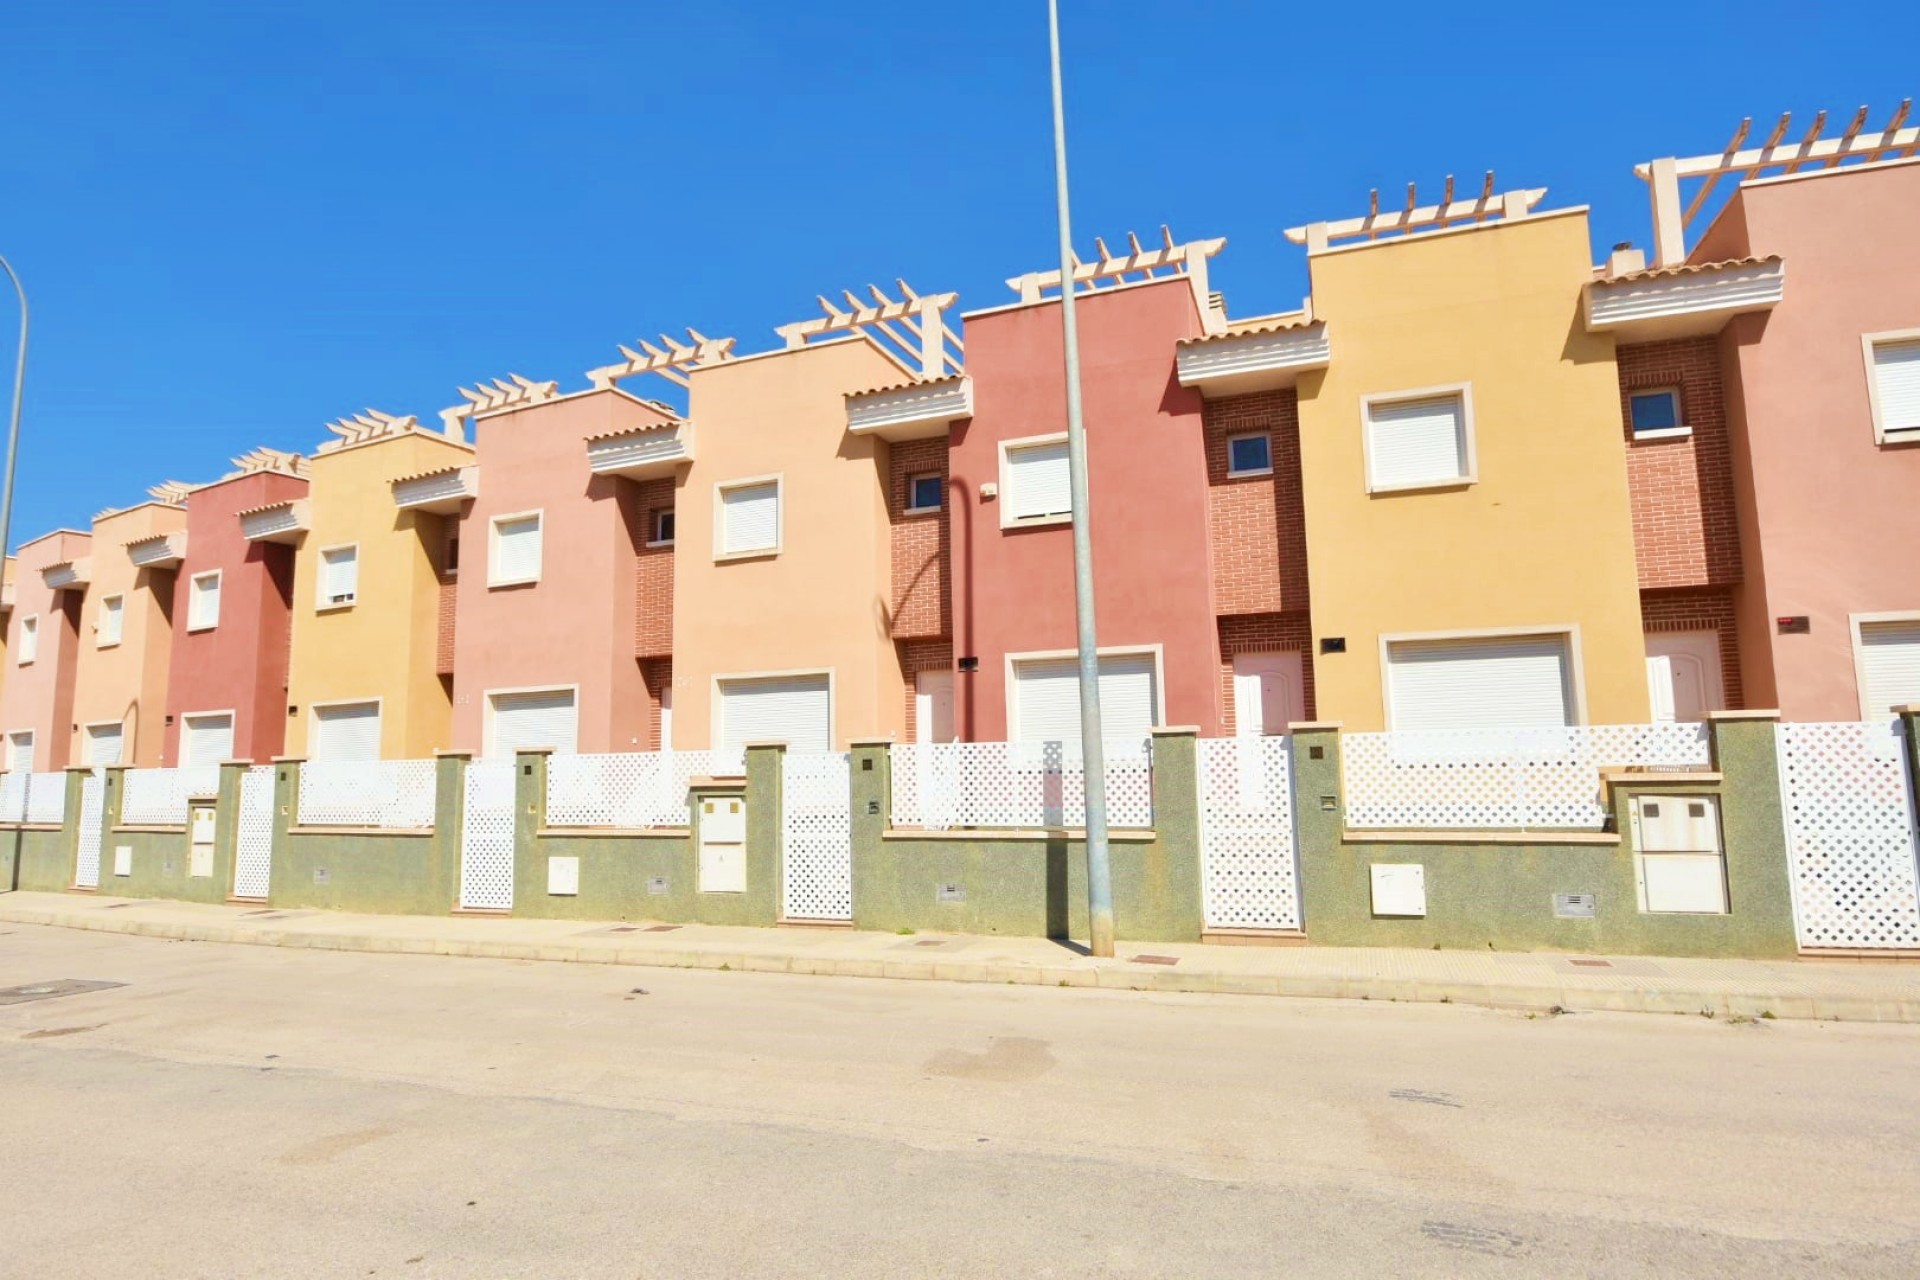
(1850,991)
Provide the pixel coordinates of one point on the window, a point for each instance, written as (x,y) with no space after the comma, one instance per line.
(29,640)
(111,623)
(203,601)
(345,731)
(1887,651)
(1419,442)
(526,719)
(1656,413)
(1046,698)
(339,577)
(1035,484)
(206,738)
(20,752)
(1895,389)
(749,518)
(923,493)
(1250,455)
(453,553)
(662,528)
(796,710)
(1481,682)
(516,550)
(103,744)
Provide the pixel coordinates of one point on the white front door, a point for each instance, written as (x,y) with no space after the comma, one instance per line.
(1683,675)
(666,717)
(1269,693)
(933,706)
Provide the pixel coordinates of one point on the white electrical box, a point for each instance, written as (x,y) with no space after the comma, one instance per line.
(563,877)
(200,820)
(1399,889)
(123,859)
(723,844)
(1678,862)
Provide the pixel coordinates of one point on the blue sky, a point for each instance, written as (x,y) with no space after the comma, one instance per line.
(238,221)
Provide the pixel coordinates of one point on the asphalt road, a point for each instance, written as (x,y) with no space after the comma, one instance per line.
(242,1111)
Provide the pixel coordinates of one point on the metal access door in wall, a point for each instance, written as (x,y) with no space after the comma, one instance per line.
(1248,868)
(93,825)
(486,837)
(816,836)
(253,851)
(1847,808)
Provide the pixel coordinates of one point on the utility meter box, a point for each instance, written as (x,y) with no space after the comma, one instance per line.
(723,844)
(1399,889)
(1679,865)
(200,819)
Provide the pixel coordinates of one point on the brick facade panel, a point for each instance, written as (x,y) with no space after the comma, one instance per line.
(922,604)
(1681,489)
(653,575)
(1257,525)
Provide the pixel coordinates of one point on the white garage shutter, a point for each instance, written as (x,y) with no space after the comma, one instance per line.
(1890,666)
(347,732)
(547,718)
(750,518)
(1512,682)
(206,739)
(796,710)
(1039,482)
(1896,375)
(1416,442)
(1047,697)
(104,744)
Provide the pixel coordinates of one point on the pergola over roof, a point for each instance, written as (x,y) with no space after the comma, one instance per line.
(495,398)
(1895,140)
(1415,217)
(369,424)
(171,492)
(670,360)
(1109,270)
(927,344)
(266,458)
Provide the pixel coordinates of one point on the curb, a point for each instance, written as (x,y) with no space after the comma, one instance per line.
(1531,998)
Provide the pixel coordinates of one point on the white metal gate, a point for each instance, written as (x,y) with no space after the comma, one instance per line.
(486,837)
(1248,868)
(93,823)
(816,823)
(1847,807)
(253,849)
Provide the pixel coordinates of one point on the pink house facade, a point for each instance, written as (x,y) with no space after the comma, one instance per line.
(43,644)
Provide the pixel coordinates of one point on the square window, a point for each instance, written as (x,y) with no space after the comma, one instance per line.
(748,515)
(203,601)
(1036,482)
(453,553)
(516,550)
(923,493)
(1655,410)
(1250,455)
(1419,442)
(110,627)
(663,527)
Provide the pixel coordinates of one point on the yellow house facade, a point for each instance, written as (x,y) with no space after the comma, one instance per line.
(363,681)
(1469,535)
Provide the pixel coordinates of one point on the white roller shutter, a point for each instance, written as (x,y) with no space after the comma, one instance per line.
(750,518)
(20,752)
(203,602)
(1038,481)
(112,624)
(206,739)
(347,732)
(1416,442)
(1497,683)
(1047,698)
(339,576)
(104,744)
(516,550)
(548,718)
(1889,667)
(796,710)
(1896,378)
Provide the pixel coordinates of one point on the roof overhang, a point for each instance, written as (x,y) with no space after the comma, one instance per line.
(280,522)
(642,453)
(1683,301)
(161,551)
(441,492)
(1233,364)
(68,574)
(917,411)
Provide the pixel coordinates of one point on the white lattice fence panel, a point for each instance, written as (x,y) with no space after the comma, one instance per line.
(47,798)
(630,789)
(13,797)
(253,853)
(397,794)
(158,797)
(1247,863)
(1490,779)
(1016,784)
(93,823)
(1851,851)
(816,824)
(486,837)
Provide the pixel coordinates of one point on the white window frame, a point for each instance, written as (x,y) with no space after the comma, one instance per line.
(86,739)
(1859,651)
(314,709)
(1007,519)
(655,539)
(1250,471)
(193,584)
(486,707)
(1868,341)
(1012,660)
(1470,455)
(180,739)
(1570,630)
(716,706)
(912,477)
(493,547)
(29,641)
(1677,432)
(321,602)
(99,616)
(721,488)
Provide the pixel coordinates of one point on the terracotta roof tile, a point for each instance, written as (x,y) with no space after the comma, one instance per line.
(1685,269)
(909,385)
(428,475)
(1252,328)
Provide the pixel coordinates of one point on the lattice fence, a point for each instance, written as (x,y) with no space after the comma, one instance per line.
(816,823)
(253,853)
(1248,868)
(946,785)
(1848,809)
(13,797)
(396,794)
(486,837)
(93,823)
(1489,779)
(47,798)
(158,797)
(630,789)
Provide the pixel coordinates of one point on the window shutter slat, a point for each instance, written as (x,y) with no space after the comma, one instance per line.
(1896,371)
(548,718)
(350,732)
(1040,480)
(1416,442)
(1890,666)
(517,549)
(750,518)
(796,710)
(209,740)
(1047,697)
(1506,683)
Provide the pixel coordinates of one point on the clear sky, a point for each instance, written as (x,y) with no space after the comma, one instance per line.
(240,220)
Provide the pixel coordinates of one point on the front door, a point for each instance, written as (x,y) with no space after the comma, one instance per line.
(1683,675)
(1269,693)
(933,706)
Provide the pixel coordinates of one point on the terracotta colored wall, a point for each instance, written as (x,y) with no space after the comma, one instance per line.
(127,682)
(1147,472)
(653,573)
(1684,528)
(575,626)
(1829,519)
(922,600)
(39,696)
(240,665)
(1258,523)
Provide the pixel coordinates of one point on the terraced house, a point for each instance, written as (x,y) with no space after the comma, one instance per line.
(43,645)
(126,635)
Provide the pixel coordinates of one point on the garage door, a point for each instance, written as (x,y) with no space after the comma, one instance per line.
(542,718)
(1889,667)
(208,739)
(350,731)
(796,710)
(104,744)
(1512,682)
(1046,697)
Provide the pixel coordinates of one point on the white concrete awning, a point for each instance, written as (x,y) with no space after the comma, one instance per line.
(642,453)
(1259,358)
(280,522)
(441,492)
(68,573)
(916,411)
(1684,301)
(161,551)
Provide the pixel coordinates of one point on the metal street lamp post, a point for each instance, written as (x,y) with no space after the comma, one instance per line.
(13,431)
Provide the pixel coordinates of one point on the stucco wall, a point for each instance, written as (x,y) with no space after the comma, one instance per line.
(127,683)
(39,695)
